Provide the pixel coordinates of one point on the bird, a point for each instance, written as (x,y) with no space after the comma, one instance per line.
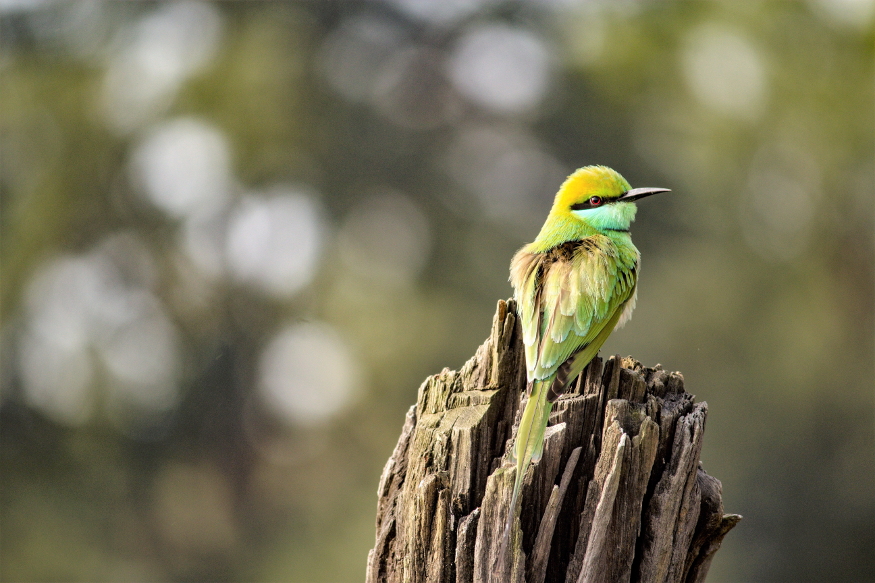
(573,285)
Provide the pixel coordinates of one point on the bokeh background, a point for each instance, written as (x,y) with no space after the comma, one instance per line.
(236,237)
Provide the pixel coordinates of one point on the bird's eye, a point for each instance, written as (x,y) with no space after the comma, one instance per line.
(595,201)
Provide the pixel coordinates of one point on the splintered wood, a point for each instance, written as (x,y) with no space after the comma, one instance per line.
(619,494)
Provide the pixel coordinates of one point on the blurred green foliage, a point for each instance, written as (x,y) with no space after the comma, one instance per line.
(420,145)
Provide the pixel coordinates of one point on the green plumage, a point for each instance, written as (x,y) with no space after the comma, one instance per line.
(574,284)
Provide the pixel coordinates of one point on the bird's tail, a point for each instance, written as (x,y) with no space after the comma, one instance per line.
(529,445)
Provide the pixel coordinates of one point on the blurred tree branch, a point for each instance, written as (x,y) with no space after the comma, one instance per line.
(619,495)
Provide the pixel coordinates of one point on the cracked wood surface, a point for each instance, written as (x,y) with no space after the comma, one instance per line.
(619,494)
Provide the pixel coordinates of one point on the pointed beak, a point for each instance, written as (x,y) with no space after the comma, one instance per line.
(637,193)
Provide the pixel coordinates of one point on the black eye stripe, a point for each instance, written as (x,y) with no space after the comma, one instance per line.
(587,204)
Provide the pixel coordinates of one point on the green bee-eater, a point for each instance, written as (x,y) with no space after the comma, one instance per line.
(573,285)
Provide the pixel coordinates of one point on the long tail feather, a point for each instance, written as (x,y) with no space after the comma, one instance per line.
(529,445)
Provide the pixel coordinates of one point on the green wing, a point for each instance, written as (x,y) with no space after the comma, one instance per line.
(566,304)
(568,307)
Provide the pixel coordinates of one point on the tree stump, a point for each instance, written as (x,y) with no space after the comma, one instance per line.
(619,494)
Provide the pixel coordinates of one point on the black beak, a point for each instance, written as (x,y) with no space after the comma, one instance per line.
(637,193)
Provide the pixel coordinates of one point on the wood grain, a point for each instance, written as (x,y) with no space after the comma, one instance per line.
(619,494)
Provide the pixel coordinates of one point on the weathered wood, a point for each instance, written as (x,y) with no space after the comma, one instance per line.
(619,494)
(541,552)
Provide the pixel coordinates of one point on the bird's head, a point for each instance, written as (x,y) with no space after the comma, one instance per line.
(593,199)
(601,198)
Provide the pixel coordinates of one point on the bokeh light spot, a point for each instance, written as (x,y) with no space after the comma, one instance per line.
(503,68)
(725,72)
(854,14)
(443,13)
(274,241)
(57,377)
(184,167)
(159,53)
(94,305)
(143,358)
(307,374)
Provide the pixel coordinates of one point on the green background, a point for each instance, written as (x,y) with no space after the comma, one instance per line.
(187,398)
